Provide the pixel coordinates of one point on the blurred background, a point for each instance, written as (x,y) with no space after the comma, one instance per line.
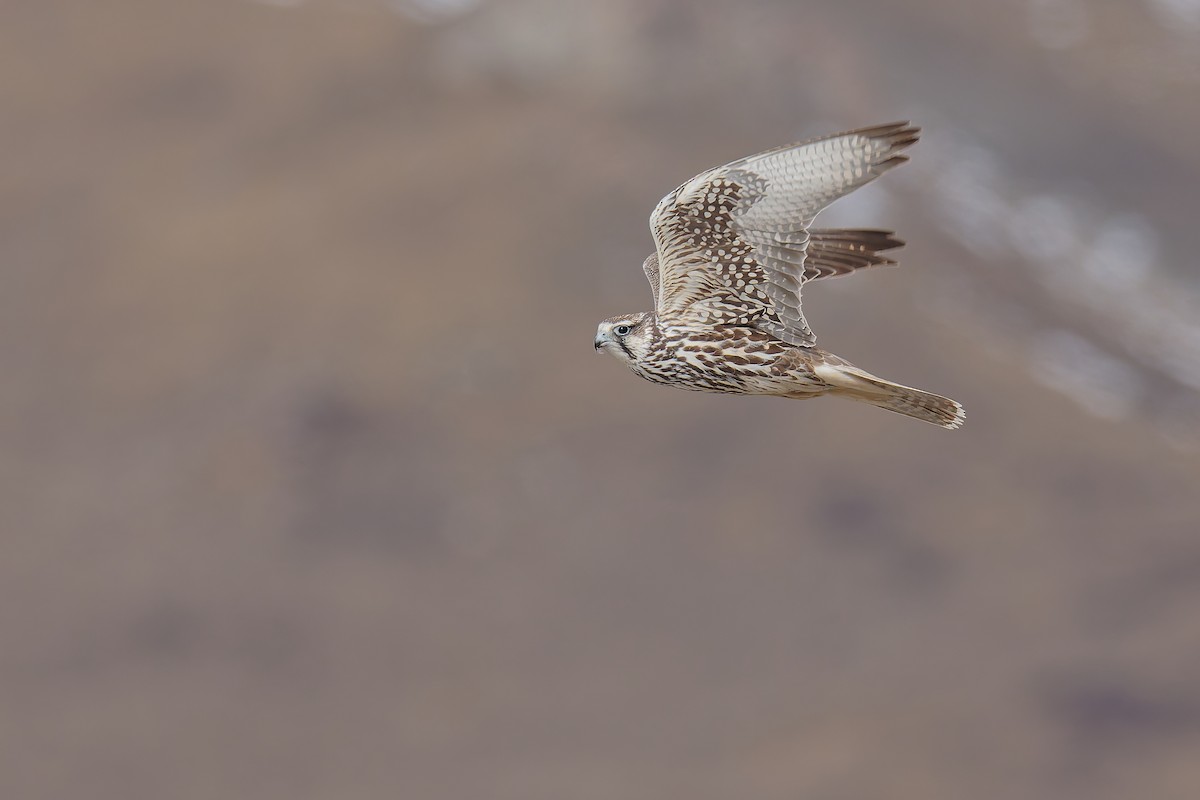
(313,487)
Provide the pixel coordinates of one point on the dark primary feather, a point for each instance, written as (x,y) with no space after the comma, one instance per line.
(832,253)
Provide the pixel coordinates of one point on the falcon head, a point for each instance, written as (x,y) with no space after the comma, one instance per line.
(627,336)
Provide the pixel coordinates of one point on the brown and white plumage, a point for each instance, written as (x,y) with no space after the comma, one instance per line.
(733,249)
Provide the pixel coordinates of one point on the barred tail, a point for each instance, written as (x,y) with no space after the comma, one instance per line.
(849,381)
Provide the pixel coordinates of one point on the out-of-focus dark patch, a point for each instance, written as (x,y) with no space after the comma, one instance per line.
(1080,482)
(365,481)
(168,630)
(327,417)
(181,93)
(1145,591)
(1107,712)
(867,523)
(854,518)
(273,646)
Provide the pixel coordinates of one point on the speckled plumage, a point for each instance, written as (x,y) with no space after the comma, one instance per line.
(733,248)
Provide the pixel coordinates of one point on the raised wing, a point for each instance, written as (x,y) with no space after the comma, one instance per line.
(732,242)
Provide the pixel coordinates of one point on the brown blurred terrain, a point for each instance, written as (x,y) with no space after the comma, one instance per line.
(312,486)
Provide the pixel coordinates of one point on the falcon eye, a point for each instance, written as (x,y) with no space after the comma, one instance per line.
(622,330)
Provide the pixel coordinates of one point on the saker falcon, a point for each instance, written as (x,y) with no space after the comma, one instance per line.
(733,249)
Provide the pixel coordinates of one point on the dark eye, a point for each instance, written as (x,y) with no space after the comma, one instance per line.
(622,330)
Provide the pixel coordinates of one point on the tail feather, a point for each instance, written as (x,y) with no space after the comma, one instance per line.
(849,381)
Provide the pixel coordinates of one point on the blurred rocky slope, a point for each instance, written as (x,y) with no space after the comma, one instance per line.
(312,486)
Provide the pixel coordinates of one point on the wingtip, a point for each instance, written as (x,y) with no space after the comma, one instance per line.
(901,129)
(895,136)
(892,161)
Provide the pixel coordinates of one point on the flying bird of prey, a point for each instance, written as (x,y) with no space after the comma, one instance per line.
(733,249)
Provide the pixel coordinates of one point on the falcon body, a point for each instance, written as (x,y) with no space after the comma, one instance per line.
(733,248)
(704,358)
